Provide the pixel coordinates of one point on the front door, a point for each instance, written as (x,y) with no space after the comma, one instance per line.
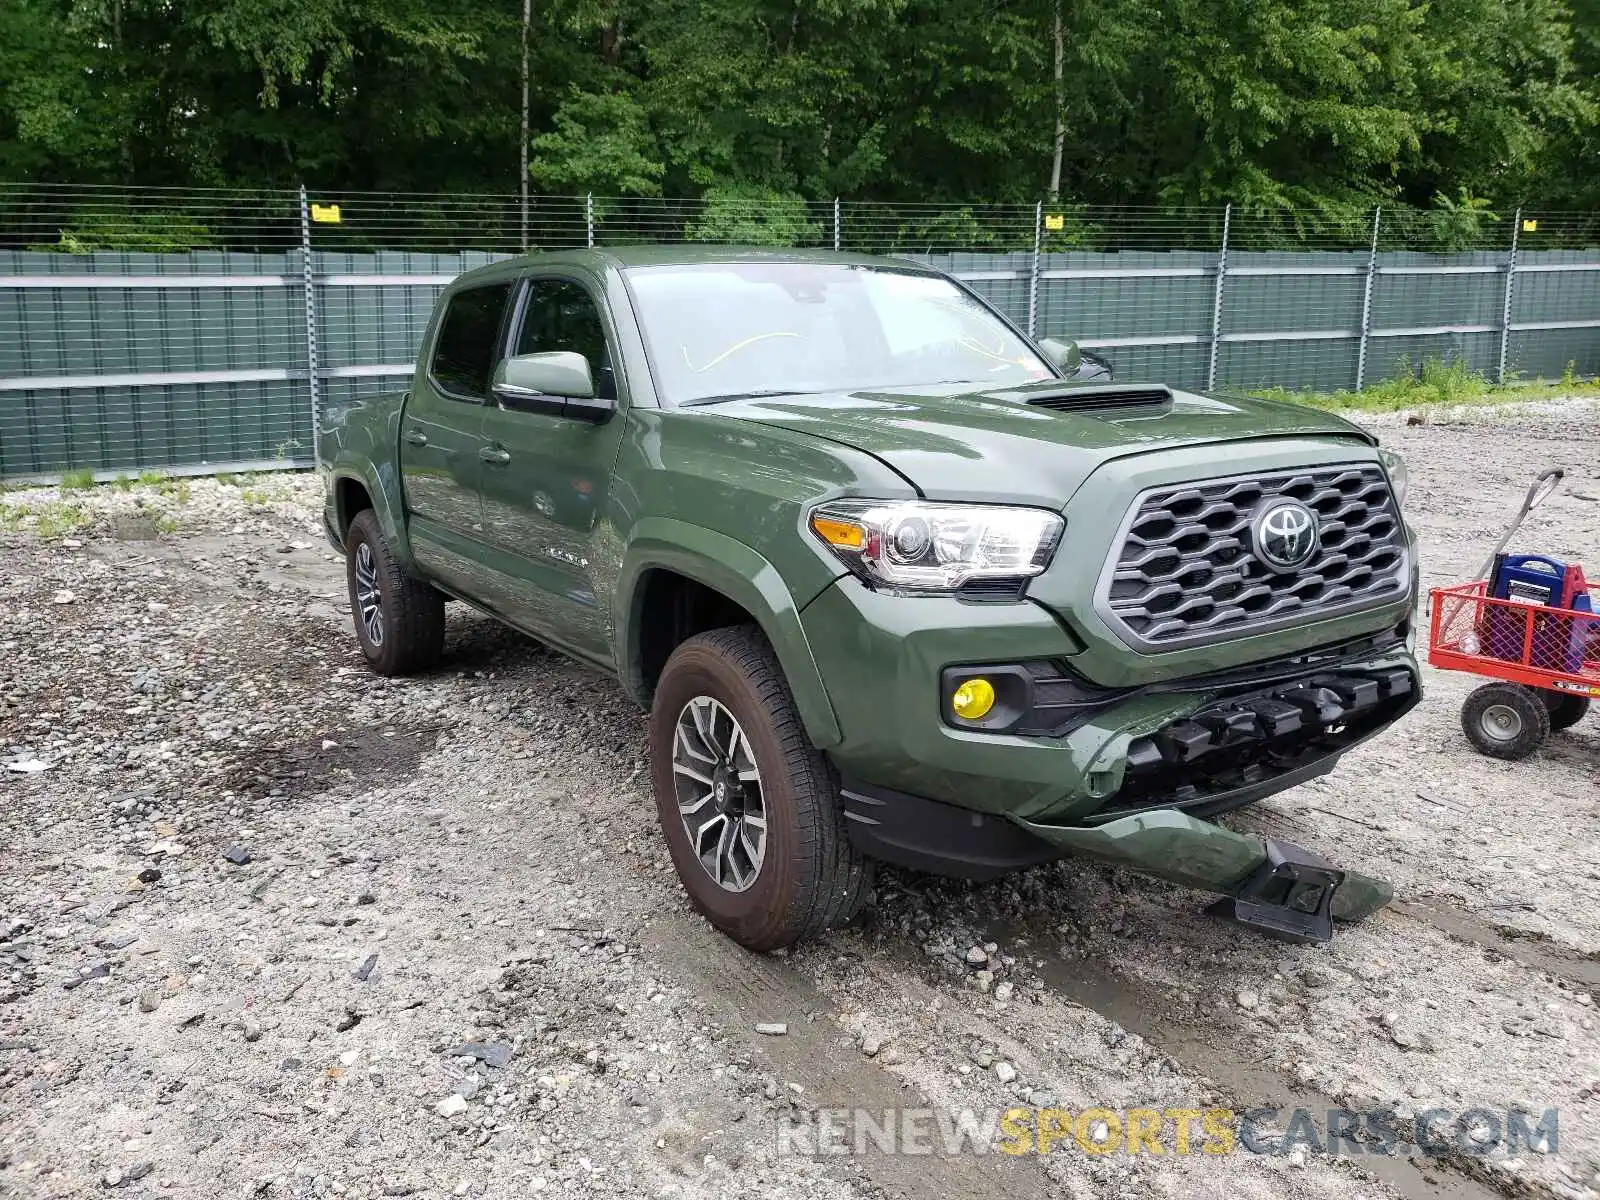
(441,436)
(547,477)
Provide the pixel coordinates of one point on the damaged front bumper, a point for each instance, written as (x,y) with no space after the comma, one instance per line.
(1229,751)
(1161,775)
(1129,776)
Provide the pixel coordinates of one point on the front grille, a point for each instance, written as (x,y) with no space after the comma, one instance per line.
(1187,571)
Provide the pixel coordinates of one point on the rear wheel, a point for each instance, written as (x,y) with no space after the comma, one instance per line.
(399,620)
(1505,720)
(749,808)
(1565,710)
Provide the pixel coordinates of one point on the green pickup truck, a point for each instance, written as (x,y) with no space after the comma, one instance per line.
(890,583)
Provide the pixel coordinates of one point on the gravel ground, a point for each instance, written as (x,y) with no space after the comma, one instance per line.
(273,926)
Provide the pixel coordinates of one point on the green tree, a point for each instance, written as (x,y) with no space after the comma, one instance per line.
(1306,110)
(601,142)
(749,215)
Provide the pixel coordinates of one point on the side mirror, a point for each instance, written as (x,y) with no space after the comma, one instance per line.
(1065,355)
(556,381)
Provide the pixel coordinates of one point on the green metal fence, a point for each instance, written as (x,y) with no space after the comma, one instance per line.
(208,331)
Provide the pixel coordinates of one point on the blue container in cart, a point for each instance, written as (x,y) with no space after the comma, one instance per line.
(1531,579)
(1559,641)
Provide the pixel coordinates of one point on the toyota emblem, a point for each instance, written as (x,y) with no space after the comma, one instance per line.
(1286,536)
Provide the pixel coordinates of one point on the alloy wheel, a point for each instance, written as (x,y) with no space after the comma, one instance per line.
(718,787)
(369,597)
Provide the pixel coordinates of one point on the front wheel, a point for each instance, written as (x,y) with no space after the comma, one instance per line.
(399,620)
(749,808)
(1505,720)
(1565,710)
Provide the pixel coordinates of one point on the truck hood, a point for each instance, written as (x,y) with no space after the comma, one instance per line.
(1004,444)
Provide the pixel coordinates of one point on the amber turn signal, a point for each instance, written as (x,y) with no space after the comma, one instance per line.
(846,535)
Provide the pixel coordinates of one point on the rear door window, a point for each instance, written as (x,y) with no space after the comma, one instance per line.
(468,344)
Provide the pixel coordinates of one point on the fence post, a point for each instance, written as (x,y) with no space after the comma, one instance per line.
(1033,270)
(522,147)
(588,218)
(836,224)
(1216,299)
(1505,310)
(313,374)
(1366,300)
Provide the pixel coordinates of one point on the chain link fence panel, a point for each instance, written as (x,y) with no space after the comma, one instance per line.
(201,330)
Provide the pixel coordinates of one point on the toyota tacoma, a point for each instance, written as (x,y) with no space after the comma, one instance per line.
(891,583)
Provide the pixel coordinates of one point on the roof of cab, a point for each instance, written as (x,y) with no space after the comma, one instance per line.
(691,254)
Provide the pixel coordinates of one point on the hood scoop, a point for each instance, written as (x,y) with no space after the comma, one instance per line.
(1092,397)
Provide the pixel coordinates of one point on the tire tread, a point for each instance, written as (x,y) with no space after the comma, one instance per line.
(834,878)
(1535,720)
(413,608)
(1565,710)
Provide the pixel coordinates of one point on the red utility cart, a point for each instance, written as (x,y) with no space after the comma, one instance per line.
(1541,645)
(1546,662)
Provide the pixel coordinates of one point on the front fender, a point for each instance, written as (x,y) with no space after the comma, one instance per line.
(745,577)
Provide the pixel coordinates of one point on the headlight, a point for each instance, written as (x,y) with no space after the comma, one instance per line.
(914,547)
(1399,475)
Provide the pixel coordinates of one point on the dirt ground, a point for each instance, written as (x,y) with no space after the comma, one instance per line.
(272,926)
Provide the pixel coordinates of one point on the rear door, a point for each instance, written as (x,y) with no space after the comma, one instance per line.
(442,437)
(547,477)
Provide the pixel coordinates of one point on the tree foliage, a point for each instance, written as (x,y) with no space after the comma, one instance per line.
(754,216)
(1276,105)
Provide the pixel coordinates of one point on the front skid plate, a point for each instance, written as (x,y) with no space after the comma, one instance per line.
(1174,846)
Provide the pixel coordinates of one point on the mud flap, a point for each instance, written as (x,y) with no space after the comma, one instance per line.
(1273,886)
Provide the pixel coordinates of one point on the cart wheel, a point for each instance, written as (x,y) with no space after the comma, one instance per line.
(1565,710)
(1505,720)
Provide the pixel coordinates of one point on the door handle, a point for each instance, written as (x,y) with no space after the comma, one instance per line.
(493,454)
(416,437)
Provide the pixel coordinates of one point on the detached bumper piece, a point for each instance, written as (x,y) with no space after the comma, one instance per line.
(1290,895)
(1268,885)
(1233,751)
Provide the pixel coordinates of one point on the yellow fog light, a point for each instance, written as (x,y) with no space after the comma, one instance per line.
(973,699)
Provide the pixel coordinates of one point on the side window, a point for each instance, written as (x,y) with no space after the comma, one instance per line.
(561,315)
(464,354)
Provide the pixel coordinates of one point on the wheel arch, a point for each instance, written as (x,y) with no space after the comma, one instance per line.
(672,561)
(353,489)
(350,496)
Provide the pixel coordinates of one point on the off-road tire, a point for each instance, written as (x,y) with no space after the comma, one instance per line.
(1566,710)
(811,877)
(412,634)
(1505,720)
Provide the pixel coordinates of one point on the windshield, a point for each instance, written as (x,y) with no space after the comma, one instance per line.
(729,330)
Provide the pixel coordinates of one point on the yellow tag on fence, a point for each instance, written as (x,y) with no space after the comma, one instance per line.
(1055,222)
(1530,226)
(325,214)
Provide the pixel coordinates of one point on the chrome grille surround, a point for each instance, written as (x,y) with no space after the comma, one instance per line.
(1185,572)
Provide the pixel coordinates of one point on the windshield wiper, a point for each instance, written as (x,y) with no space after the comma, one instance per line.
(756,394)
